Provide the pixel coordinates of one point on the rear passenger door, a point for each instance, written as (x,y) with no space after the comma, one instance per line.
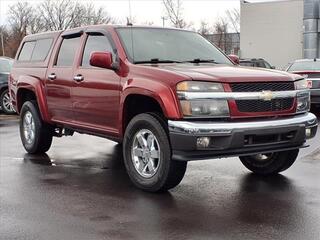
(59,80)
(97,96)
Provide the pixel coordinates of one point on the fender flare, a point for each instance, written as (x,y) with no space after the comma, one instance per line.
(37,87)
(167,102)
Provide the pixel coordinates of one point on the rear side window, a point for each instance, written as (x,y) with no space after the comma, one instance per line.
(67,51)
(35,50)
(41,49)
(94,43)
(26,51)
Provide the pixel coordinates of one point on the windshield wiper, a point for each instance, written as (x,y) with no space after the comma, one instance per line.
(157,60)
(198,60)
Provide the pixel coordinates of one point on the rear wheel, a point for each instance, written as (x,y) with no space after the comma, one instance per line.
(147,154)
(270,163)
(5,103)
(36,135)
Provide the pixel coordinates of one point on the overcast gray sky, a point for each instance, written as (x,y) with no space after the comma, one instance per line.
(151,10)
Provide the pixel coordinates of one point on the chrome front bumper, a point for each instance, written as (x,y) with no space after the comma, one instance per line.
(218,128)
(240,137)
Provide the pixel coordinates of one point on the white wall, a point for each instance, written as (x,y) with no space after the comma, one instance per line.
(273,31)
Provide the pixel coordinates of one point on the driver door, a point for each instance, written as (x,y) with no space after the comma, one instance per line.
(96,95)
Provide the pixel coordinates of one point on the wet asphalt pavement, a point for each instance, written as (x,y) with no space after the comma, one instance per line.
(80,190)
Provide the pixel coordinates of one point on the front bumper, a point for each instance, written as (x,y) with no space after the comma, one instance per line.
(237,138)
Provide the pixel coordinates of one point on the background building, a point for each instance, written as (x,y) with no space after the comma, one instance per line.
(275,30)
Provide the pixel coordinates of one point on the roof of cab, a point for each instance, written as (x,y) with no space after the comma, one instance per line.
(56,34)
(53,34)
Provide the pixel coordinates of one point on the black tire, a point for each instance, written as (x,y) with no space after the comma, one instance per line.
(272,164)
(169,173)
(43,133)
(4,103)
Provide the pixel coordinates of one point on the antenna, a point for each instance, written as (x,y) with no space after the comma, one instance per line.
(129,23)
(129,19)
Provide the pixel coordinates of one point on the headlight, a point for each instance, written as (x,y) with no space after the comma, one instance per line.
(303,102)
(201,107)
(301,84)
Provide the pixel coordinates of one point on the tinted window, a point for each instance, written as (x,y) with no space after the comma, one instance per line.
(5,65)
(144,44)
(95,43)
(267,65)
(26,51)
(260,64)
(41,49)
(67,51)
(305,66)
(248,64)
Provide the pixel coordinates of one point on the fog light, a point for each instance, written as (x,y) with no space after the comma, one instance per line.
(203,142)
(308,132)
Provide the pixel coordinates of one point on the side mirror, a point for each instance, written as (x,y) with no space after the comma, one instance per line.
(273,67)
(101,59)
(235,59)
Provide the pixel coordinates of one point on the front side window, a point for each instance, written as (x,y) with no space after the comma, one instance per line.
(145,44)
(26,51)
(95,43)
(67,52)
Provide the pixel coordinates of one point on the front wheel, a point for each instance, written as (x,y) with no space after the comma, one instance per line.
(36,135)
(270,163)
(147,154)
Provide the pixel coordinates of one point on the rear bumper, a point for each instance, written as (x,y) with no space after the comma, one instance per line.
(240,138)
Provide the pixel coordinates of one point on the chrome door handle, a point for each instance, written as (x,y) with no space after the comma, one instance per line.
(78,78)
(52,76)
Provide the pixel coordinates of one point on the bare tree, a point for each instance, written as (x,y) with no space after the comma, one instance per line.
(48,15)
(19,17)
(64,14)
(88,15)
(174,12)
(204,28)
(233,17)
(221,29)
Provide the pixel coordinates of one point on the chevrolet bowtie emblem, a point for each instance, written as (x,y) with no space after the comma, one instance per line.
(266,95)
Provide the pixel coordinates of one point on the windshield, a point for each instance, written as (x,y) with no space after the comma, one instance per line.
(305,66)
(165,45)
(5,65)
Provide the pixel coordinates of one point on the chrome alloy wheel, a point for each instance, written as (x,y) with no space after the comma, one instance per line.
(28,127)
(7,103)
(145,153)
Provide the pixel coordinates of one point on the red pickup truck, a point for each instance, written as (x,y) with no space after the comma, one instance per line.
(167,95)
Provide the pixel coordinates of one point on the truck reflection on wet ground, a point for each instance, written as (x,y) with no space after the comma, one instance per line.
(80,190)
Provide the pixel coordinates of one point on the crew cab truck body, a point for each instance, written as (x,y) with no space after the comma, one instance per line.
(168,95)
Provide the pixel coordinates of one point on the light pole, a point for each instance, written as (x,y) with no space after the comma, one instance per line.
(163,20)
(2,44)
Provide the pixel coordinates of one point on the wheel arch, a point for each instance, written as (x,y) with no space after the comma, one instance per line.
(137,100)
(32,91)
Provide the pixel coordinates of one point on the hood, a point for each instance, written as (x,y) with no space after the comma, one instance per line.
(228,74)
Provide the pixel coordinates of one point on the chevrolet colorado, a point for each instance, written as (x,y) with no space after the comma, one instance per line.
(167,95)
